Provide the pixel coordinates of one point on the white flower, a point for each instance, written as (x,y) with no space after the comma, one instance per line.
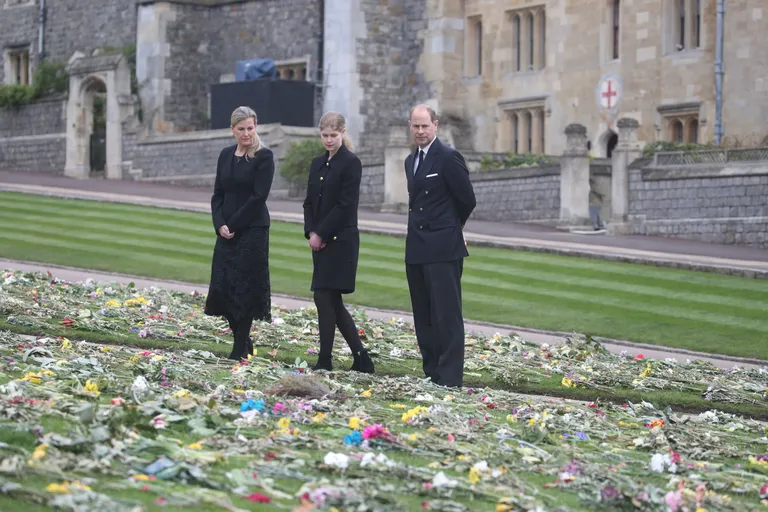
(278,321)
(338,460)
(481,466)
(657,463)
(440,480)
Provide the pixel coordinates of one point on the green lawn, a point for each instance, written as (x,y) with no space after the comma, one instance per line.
(693,310)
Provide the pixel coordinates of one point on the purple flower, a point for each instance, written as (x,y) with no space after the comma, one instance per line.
(582,436)
(573,468)
(609,493)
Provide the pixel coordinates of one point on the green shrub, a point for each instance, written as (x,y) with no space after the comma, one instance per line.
(298,158)
(662,146)
(49,78)
(514,160)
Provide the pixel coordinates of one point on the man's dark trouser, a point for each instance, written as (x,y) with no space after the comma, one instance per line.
(436,301)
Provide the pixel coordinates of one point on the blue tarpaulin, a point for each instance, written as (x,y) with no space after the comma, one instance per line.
(254,69)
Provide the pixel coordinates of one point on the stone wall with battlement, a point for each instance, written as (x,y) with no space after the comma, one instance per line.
(41,118)
(517,195)
(34,153)
(372,183)
(189,159)
(718,204)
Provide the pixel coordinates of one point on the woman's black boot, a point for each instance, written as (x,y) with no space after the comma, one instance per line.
(323,363)
(362,362)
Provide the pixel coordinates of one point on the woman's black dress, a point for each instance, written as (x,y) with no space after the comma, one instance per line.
(240,286)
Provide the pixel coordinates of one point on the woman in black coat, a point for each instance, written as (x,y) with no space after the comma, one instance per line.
(240,288)
(330,225)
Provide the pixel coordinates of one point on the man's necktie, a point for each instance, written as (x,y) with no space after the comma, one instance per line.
(421,161)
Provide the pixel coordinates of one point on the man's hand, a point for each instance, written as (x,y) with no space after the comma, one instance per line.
(224,232)
(315,242)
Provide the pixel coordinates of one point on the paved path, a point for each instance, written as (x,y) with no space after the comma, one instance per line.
(694,255)
(615,346)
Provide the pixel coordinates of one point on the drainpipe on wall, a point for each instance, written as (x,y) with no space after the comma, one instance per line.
(719,72)
(41,32)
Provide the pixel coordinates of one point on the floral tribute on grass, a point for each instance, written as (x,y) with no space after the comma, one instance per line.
(87,426)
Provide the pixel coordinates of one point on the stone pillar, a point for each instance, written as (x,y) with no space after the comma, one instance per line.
(574,178)
(536,124)
(522,132)
(342,92)
(113,169)
(625,152)
(152,50)
(525,42)
(690,24)
(78,128)
(395,181)
(537,39)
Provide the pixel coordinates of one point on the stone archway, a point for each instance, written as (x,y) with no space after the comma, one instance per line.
(607,143)
(106,76)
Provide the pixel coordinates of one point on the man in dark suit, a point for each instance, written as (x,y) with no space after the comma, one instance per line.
(441,198)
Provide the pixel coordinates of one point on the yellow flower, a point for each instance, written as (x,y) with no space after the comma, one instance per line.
(238,391)
(39,453)
(92,387)
(66,344)
(464,457)
(414,437)
(448,398)
(59,488)
(284,423)
(354,423)
(412,413)
(79,486)
(397,406)
(61,362)
(113,303)
(157,358)
(105,348)
(366,393)
(568,383)
(474,475)
(34,378)
(431,430)
(647,371)
(182,393)
(66,488)
(504,505)
(701,509)
(318,418)
(512,418)
(47,373)
(138,301)
(140,478)
(195,446)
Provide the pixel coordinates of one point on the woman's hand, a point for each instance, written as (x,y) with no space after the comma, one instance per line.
(224,232)
(315,242)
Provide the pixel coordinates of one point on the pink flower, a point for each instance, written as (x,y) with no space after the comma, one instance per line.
(674,500)
(258,498)
(118,401)
(451,438)
(374,431)
(278,408)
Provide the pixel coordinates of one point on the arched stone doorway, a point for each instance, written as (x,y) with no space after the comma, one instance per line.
(607,143)
(95,115)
